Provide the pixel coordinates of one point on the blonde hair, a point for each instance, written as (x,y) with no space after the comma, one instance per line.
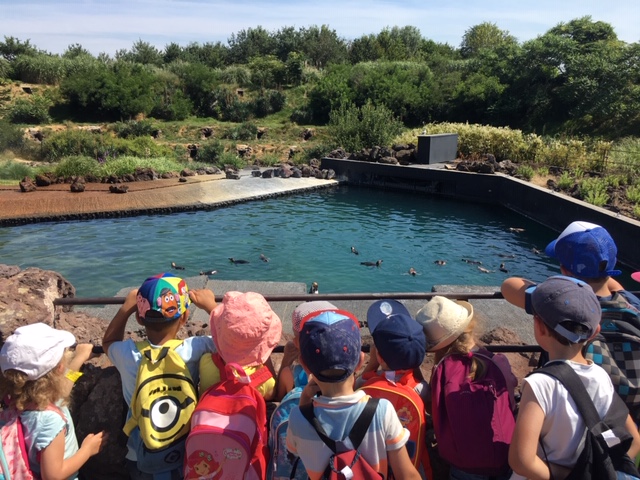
(462,346)
(24,394)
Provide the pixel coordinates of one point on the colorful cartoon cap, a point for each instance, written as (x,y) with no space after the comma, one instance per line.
(162,298)
(586,250)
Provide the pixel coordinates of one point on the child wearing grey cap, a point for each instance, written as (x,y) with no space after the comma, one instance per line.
(550,431)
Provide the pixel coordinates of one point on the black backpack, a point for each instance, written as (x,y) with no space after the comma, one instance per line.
(598,460)
(617,349)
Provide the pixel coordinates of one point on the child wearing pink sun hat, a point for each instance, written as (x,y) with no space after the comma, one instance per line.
(245,330)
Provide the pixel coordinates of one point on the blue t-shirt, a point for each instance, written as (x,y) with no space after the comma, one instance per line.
(41,427)
(126,358)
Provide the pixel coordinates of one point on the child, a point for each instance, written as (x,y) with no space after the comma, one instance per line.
(399,345)
(161,306)
(245,331)
(448,327)
(291,373)
(330,350)
(549,429)
(37,379)
(585,251)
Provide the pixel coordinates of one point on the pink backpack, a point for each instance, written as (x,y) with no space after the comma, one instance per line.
(228,437)
(14,460)
(473,420)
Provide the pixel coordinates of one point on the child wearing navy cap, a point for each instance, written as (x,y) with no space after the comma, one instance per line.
(330,351)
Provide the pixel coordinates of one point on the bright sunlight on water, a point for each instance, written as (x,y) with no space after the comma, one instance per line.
(307,237)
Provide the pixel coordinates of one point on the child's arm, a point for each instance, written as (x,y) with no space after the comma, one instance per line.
(204,299)
(115,330)
(634,449)
(84,351)
(284,382)
(513,290)
(373,364)
(523,452)
(401,465)
(54,466)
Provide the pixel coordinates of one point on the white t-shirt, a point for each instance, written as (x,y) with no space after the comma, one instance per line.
(563,429)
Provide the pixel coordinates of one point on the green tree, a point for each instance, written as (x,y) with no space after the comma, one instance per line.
(287,40)
(12,47)
(323,46)
(76,50)
(483,36)
(250,43)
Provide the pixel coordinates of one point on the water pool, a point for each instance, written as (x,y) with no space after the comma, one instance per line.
(306,237)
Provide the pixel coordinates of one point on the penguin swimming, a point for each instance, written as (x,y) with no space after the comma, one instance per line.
(314,288)
(484,270)
(412,271)
(440,262)
(371,264)
(506,255)
(176,267)
(264,258)
(503,268)
(472,262)
(233,260)
(208,272)
(354,250)
(516,229)
(536,251)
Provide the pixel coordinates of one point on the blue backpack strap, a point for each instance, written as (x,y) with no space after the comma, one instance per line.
(300,378)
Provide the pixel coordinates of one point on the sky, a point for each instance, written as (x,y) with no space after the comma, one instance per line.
(108,26)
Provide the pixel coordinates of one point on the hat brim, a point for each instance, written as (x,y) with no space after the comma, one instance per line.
(550,250)
(448,340)
(636,276)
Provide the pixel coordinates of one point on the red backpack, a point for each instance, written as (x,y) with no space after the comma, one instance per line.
(228,437)
(473,419)
(409,407)
(346,462)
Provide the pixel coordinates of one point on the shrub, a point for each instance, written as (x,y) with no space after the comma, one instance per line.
(244,131)
(40,68)
(5,68)
(236,75)
(624,156)
(355,128)
(134,128)
(633,194)
(77,165)
(269,102)
(15,170)
(210,152)
(566,181)
(525,171)
(67,143)
(594,191)
(269,160)
(229,159)
(11,137)
(636,211)
(33,110)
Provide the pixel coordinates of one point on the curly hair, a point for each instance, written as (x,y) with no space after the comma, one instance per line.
(25,394)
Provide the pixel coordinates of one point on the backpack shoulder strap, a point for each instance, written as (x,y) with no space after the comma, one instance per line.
(260,376)
(571,381)
(358,431)
(220,365)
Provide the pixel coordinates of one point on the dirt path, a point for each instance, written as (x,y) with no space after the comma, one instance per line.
(56,202)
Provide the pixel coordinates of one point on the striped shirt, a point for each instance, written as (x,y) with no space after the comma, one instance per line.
(337,416)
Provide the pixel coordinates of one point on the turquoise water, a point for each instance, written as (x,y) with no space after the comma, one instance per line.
(307,237)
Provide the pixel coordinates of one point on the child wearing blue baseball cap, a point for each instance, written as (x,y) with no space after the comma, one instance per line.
(550,427)
(330,352)
(399,346)
(585,251)
(161,306)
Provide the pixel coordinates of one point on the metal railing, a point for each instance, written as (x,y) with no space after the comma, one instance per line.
(70,301)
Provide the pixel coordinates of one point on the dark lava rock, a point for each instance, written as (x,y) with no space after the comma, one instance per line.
(118,188)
